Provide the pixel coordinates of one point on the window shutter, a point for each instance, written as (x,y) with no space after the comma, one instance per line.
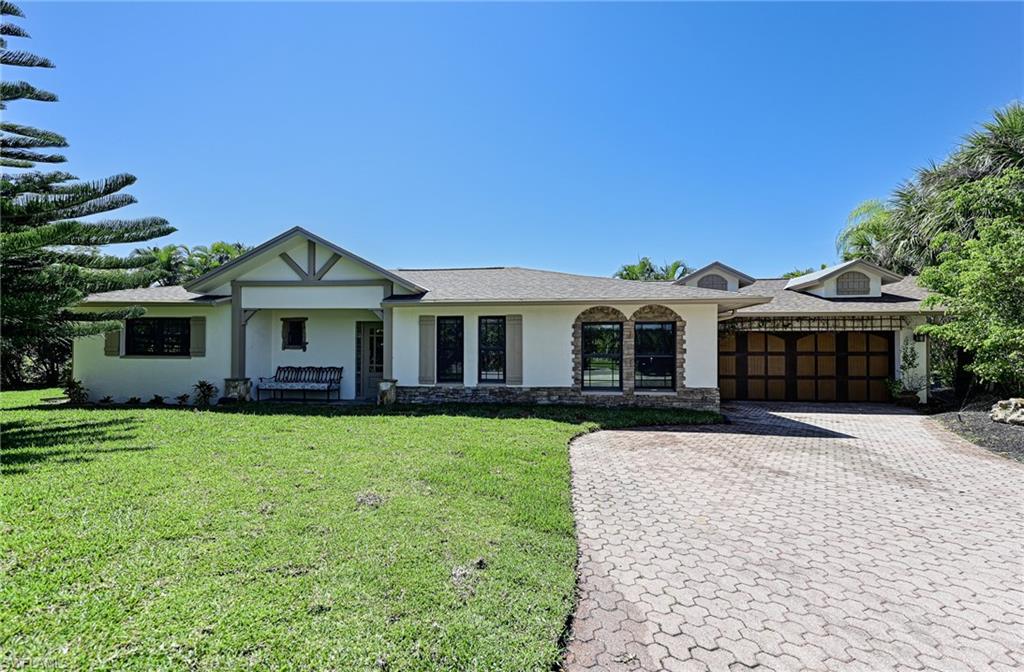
(112,343)
(514,349)
(428,349)
(197,337)
(284,334)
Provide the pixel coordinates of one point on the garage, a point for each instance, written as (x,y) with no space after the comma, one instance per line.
(806,366)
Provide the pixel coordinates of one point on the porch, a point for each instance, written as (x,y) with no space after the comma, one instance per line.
(353,339)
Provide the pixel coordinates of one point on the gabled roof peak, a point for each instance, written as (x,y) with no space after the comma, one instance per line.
(204,280)
(743,278)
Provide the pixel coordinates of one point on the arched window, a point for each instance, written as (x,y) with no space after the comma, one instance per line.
(853,283)
(713,281)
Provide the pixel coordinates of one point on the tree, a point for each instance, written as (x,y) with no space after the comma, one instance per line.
(48,243)
(900,233)
(979,281)
(203,259)
(169,260)
(865,234)
(644,269)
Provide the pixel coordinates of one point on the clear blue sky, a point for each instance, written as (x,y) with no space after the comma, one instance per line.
(571,137)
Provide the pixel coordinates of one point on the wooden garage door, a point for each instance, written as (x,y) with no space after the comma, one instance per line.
(821,366)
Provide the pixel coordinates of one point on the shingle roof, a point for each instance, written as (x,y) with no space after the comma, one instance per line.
(523,285)
(904,296)
(172,294)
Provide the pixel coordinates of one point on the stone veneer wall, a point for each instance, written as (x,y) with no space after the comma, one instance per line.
(694,398)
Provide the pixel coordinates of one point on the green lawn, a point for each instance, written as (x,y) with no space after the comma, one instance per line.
(178,539)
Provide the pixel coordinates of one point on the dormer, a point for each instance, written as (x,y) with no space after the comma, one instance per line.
(856,279)
(716,275)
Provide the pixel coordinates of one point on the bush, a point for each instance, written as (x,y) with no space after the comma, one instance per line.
(76,392)
(182,399)
(205,391)
(106,400)
(133,401)
(157,400)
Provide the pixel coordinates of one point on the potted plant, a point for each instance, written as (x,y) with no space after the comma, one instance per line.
(904,390)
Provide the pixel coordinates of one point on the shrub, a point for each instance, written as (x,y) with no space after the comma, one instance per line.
(182,399)
(157,400)
(205,391)
(76,392)
(106,400)
(133,401)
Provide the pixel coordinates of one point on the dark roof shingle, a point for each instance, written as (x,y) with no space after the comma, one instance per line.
(903,296)
(514,284)
(169,295)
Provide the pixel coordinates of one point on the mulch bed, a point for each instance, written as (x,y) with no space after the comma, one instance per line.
(974,425)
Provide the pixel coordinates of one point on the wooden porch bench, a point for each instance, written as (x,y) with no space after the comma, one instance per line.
(302,378)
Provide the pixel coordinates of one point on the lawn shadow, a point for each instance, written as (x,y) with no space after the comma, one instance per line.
(24,443)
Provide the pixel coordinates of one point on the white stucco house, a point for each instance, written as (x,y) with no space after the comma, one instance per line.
(505,333)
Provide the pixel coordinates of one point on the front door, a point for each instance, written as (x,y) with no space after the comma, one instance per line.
(371,358)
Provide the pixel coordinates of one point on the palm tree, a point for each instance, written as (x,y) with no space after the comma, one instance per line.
(203,259)
(644,269)
(169,260)
(866,233)
(674,270)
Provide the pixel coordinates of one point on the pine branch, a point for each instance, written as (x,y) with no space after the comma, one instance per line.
(10,9)
(28,155)
(50,138)
(14,163)
(24,91)
(12,30)
(32,183)
(18,142)
(108,232)
(100,261)
(15,243)
(61,201)
(24,59)
(95,281)
(96,206)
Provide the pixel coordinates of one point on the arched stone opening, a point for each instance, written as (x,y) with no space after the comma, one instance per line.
(602,314)
(657,313)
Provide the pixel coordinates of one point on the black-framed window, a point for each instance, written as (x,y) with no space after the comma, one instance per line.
(491,346)
(293,333)
(157,336)
(602,355)
(655,355)
(449,349)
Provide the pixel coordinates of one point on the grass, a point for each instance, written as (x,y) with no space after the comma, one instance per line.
(289,538)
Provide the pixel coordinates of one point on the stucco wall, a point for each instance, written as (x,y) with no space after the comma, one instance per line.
(828,288)
(124,377)
(259,335)
(547,341)
(920,375)
(302,296)
(331,337)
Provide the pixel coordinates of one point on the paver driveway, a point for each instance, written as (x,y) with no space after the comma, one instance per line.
(797,537)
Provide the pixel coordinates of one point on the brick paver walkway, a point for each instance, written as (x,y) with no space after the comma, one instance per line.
(797,538)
